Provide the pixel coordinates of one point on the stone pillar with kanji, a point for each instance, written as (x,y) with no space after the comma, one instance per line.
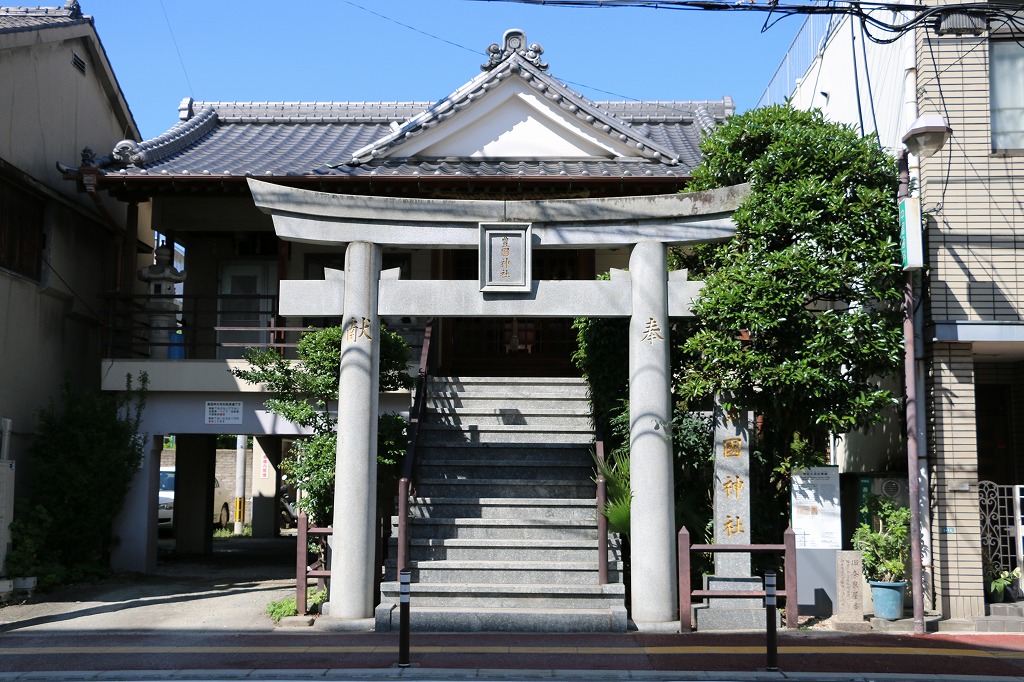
(732,490)
(732,526)
(355,488)
(652,511)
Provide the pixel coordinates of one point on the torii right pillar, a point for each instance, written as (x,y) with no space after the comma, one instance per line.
(652,512)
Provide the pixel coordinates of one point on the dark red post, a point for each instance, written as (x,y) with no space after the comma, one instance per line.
(301,544)
(403,523)
(683,551)
(789,564)
(602,531)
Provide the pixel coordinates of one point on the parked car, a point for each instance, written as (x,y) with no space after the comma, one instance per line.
(222,500)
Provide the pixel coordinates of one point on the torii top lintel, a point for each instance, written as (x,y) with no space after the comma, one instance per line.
(323,218)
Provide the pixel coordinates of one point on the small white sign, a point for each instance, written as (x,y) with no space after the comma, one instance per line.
(223,412)
(815,508)
(911,246)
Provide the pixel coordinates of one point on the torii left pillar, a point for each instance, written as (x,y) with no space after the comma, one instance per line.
(355,477)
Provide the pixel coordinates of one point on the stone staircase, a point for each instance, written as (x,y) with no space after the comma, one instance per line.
(503,534)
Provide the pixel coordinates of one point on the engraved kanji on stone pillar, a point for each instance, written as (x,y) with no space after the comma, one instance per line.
(732,490)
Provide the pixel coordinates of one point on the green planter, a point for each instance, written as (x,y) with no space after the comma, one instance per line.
(888,599)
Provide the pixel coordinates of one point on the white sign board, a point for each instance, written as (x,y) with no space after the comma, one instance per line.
(911,247)
(815,508)
(223,412)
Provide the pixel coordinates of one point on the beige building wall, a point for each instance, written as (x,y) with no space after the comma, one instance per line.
(972,198)
(49,112)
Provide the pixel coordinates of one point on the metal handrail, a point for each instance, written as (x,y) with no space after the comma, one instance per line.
(787,549)
(602,520)
(405,483)
(303,571)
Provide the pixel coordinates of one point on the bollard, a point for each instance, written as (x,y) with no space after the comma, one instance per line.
(771,645)
(403,618)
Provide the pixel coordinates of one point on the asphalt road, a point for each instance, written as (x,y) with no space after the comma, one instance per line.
(207,618)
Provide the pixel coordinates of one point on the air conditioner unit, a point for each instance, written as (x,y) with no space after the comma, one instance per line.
(891,487)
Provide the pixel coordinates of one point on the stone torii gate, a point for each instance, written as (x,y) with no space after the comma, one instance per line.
(505,232)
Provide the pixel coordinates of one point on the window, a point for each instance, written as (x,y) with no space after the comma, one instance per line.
(1007,90)
(21,231)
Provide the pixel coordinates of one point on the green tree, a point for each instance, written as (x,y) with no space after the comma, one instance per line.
(799,317)
(301,392)
(88,449)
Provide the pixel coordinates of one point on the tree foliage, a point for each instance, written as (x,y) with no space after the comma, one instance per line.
(799,317)
(302,392)
(88,448)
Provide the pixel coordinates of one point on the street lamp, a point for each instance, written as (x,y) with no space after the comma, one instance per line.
(926,136)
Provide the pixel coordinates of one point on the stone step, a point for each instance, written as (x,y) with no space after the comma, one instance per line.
(467,418)
(1004,609)
(532,385)
(538,452)
(462,469)
(508,529)
(524,436)
(481,619)
(510,572)
(490,549)
(483,595)
(504,487)
(530,508)
(549,404)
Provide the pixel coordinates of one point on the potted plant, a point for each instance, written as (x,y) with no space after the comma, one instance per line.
(884,544)
(998,579)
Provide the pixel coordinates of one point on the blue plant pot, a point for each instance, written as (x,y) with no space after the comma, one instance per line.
(888,599)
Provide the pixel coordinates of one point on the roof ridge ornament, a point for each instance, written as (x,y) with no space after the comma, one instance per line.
(513,42)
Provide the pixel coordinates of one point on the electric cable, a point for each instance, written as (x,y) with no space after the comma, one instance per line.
(856,79)
(981,13)
(70,288)
(871,93)
(174,41)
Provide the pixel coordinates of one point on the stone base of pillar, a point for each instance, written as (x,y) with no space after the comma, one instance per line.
(667,627)
(732,614)
(329,624)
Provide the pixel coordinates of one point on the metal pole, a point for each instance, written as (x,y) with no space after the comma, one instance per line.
(771,643)
(240,442)
(910,377)
(403,618)
(301,543)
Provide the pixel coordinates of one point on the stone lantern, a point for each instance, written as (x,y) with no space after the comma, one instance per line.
(162,309)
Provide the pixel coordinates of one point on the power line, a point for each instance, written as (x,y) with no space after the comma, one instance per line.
(577,84)
(978,15)
(176,49)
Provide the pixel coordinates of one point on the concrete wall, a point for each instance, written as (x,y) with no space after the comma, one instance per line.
(49,112)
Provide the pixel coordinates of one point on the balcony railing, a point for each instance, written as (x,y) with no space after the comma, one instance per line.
(207,327)
(203,327)
(810,40)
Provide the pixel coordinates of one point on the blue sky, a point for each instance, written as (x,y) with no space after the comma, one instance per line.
(335,50)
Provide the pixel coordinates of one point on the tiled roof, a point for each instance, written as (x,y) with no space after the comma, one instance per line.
(271,140)
(13,19)
(367,139)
